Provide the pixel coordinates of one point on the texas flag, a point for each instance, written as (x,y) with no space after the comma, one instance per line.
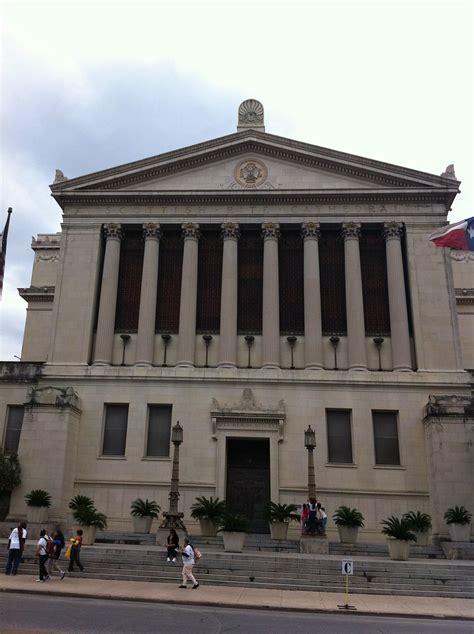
(459,236)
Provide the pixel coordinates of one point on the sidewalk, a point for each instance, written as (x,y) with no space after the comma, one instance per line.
(237,597)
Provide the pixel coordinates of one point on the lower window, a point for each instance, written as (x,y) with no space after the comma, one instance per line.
(387,451)
(159,431)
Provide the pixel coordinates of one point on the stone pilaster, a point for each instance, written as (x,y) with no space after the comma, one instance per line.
(313,340)
(271,305)
(187,309)
(399,331)
(354,298)
(228,328)
(108,296)
(147,314)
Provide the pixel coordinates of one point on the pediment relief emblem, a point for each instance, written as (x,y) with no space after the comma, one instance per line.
(250,173)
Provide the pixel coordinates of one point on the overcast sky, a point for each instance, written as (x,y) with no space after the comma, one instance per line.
(86,86)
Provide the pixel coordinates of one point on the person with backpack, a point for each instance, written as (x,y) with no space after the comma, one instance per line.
(42,555)
(188,563)
(54,552)
(16,543)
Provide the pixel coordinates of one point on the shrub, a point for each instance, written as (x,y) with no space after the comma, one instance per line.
(39,498)
(417,521)
(233,522)
(208,509)
(10,473)
(79,501)
(144,508)
(345,516)
(85,513)
(398,529)
(282,512)
(458,515)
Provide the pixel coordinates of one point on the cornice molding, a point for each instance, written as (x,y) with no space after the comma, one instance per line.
(37,294)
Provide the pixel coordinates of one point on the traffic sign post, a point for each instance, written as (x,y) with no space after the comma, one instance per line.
(347,569)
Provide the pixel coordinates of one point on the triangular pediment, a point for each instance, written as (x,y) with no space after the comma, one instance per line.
(254,164)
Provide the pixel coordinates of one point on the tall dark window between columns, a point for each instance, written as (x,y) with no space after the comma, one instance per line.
(250,282)
(332,277)
(170,267)
(208,316)
(130,279)
(291,280)
(373,264)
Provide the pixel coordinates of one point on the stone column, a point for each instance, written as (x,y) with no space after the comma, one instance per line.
(187,309)
(313,340)
(271,304)
(104,339)
(354,299)
(399,331)
(228,329)
(149,287)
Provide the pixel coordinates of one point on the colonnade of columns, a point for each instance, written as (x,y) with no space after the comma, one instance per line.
(313,341)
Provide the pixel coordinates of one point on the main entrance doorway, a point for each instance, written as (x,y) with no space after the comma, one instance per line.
(248,480)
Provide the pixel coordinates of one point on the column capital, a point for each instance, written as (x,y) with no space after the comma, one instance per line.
(351,230)
(230,231)
(152,230)
(270,231)
(191,230)
(392,230)
(113,231)
(310,231)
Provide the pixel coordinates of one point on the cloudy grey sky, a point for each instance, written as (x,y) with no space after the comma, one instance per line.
(89,85)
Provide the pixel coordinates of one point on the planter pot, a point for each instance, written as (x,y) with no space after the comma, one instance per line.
(459,532)
(208,528)
(36,514)
(88,535)
(279,530)
(233,541)
(348,534)
(398,549)
(422,538)
(142,524)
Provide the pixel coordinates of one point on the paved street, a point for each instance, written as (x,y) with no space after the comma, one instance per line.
(25,613)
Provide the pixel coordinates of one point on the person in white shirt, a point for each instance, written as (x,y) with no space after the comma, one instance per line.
(188,563)
(42,555)
(16,542)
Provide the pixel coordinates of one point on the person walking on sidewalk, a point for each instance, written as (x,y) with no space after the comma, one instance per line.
(76,552)
(16,543)
(42,555)
(58,541)
(188,563)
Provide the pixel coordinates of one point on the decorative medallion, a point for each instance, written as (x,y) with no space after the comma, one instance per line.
(250,173)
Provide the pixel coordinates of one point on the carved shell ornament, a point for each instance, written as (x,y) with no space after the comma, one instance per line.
(250,112)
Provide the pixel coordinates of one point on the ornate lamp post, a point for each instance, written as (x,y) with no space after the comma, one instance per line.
(310,444)
(174,519)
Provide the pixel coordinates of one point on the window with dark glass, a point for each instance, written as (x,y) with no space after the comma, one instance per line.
(159,431)
(291,280)
(332,282)
(130,281)
(250,282)
(386,438)
(170,266)
(339,435)
(208,314)
(373,263)
(115,430)
(13,428)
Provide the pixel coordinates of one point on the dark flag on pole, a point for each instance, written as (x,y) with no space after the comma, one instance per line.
(3,249)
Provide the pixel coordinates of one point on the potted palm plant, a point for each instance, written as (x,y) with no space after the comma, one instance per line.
(38,502)
(143,513)
(399,537)
(233,528)
(209,513)
(280,515)
(458,520)
(348,522)
(420,524)
(88,517)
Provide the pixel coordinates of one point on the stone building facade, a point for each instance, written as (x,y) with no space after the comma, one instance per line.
(248,286)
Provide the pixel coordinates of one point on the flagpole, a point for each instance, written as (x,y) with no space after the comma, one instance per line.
(3,249)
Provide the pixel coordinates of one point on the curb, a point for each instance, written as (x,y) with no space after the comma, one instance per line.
(241,606)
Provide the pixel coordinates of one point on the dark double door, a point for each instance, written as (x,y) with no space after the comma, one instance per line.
(248,481)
